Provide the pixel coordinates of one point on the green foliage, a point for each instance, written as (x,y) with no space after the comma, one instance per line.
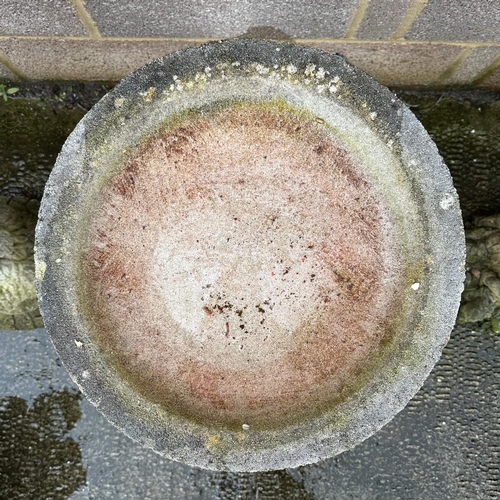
(6,92)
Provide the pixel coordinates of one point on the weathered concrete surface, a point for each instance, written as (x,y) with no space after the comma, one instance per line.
(39,17)
(6,73)
(444,444)
(457,20)
(103,39)
(382,18)
(411,65)
(212,18)
(124,309)
(465,127)
(36,122)
(492,80)
(473,66)
(85,59)
(397,65)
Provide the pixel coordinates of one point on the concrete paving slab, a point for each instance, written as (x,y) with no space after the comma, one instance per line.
(6,74)
(391,63)
(471,68)
(84,60)
(382,18)
(492,80)
(40,17)
(295,18)
(461,20)
(395,64)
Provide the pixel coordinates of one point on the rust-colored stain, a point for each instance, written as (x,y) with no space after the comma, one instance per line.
(241,268)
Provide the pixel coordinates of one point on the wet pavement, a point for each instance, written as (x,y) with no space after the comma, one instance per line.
(444,445)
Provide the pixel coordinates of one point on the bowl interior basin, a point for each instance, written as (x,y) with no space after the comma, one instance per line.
(241,268)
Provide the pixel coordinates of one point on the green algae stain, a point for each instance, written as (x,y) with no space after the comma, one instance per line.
(19,306)
(31,137)
(37,458)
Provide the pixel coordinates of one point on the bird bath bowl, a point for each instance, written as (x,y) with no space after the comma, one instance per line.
(249,255)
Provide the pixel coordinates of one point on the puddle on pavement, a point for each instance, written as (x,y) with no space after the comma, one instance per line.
(37,458)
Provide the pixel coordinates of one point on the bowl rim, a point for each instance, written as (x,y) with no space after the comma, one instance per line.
(303,444)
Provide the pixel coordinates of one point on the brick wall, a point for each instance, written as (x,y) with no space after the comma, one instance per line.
(412,43)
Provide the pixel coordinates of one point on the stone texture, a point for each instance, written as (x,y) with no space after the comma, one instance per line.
(382,18)
(6,74)
(39,17)
(226,18)
(396,64)
(492,81)
(466,130)
(458,20)
(364,413)
(477,61)
(86,60)
(255,318)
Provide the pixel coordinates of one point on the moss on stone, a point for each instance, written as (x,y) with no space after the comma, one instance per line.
(481,296)
(19,306)
(31,136)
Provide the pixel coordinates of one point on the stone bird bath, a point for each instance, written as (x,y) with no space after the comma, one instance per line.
(249,255)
